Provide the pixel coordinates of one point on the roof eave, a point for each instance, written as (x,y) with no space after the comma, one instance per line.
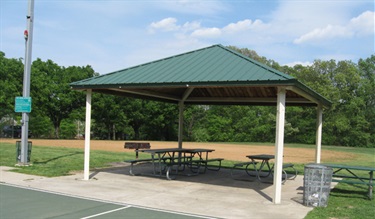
(184,84)
(308,93)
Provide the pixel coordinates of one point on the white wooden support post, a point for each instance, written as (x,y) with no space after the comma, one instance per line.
(181,114)
(86,170)
(279,145)
(319,124)
(180,123)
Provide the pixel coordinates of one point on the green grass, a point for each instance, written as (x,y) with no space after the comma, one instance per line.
(59,161)
(346,201)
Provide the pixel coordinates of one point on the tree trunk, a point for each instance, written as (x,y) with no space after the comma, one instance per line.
(57,131)
(114,132)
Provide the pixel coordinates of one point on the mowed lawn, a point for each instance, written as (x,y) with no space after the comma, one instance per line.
(346,201)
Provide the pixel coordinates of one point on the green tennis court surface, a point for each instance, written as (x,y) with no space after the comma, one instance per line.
(17,202)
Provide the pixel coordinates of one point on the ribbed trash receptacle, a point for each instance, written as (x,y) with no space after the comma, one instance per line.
(317,185)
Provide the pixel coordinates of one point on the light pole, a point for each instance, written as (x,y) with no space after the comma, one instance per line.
(28,34)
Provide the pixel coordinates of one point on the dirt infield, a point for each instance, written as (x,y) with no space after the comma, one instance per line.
(227,151)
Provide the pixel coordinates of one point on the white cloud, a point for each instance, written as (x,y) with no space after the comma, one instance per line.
(170,24)
(132,32)
(326,33)
(194,28)
(191,26)
(292,64)
(361,25)
(207,32)
(167,24)
(301,16)
(243,25)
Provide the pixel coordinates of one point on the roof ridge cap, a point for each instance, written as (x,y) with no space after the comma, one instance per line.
(264,66)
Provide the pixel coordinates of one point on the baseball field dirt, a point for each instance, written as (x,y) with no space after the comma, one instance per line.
(227,151)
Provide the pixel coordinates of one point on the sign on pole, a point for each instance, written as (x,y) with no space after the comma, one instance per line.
(22,105)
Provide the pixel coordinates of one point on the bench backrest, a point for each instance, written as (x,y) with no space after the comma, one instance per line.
(137,145)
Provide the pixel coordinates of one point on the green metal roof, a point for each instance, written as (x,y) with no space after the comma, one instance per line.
(202,69)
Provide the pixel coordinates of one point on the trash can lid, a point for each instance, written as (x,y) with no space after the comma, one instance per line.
(316,166)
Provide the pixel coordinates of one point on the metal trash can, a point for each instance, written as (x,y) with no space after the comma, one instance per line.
(317,185)
(18,148)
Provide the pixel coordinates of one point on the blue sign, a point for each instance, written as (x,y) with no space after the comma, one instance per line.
(23,105)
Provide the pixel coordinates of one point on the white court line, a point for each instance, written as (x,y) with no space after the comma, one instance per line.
(106,212)
(106,201)
(175,212)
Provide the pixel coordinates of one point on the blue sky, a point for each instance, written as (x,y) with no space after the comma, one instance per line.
(111,35)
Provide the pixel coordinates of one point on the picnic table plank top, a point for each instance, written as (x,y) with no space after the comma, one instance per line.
(261,156)
(166,150)
(349,167)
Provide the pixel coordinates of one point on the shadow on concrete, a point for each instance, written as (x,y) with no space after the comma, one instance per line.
(223,177)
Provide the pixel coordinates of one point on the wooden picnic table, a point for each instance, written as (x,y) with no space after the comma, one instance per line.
(345,174)
(264,162)
(264,159)
(177,158)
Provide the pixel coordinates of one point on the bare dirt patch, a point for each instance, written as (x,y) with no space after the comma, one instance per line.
(227,151)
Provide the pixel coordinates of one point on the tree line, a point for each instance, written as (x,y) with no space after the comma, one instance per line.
(59,112)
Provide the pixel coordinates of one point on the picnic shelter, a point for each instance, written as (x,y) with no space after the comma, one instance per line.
(207,76)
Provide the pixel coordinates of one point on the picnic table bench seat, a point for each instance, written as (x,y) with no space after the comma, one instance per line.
(353,182)
(206,165)
(289,166)
(167,162)
(247,164)
(240,165)
(132,162)
(349,177)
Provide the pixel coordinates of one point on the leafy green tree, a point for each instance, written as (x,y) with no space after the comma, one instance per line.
(341,82)
(40,126)
(194,117)
(68,130)
(367,90)
(109,116)
(137,115)
(11,83)
(51,92)
(350,121)
(161,121)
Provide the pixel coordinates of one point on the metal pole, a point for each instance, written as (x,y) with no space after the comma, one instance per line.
(28,34)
